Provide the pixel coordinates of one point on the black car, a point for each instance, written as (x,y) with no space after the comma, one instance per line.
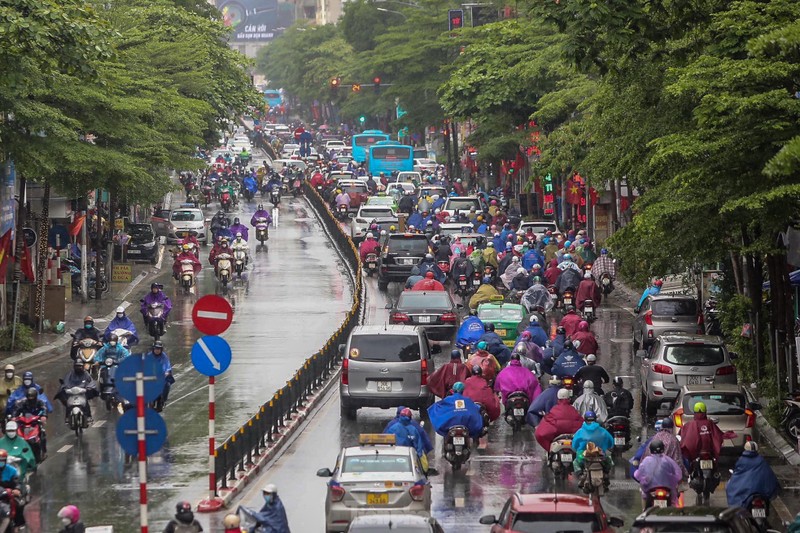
(401,252)
(434,311)
(142,245)
(695,518)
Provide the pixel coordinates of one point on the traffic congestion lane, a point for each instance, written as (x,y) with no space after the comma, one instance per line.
(294,299)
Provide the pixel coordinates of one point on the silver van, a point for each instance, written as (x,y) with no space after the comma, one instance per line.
(664,313)
(386,366)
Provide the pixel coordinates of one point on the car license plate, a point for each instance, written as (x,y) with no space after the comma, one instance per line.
(693,380)
(425,319)
(588,309)
(566,458)
(519,412)
(378,499)
(706,464)
(406,261)
(619,441)
(384,386)
(134,252)
(660,503)
(759,513)
(458,441)
(501,332)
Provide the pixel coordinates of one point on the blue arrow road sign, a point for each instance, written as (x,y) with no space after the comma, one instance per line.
(153,372)
(154,427)
(211,355)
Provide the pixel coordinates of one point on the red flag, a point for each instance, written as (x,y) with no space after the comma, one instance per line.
(5,255)
(573,195)
(593,195)
(76,225)
(26,264)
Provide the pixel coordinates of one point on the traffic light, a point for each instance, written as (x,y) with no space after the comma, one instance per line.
(356,87)
(335,82)
(376,83)
(456,18)
(362,119)
(549,197)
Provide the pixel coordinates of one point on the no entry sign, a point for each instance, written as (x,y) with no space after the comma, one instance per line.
(212,314)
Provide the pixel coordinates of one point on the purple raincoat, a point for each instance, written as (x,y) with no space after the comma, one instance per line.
(659,471)
(515,378)
(159,297)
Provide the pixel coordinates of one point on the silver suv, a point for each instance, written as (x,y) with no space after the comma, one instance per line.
(386,366)
(664,313)
(680,359)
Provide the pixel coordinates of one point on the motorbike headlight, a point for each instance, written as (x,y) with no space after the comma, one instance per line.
(109,361)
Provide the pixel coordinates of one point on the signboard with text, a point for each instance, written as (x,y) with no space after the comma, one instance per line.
(252,20)
(121,272)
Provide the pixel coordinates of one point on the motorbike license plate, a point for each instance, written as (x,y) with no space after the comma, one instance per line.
(567,301)
(588,309)
(462,283)
(458,441)
(659,503)
(378,499)
(706,464)
(370,265)
(566,458)
(519,412)
(619,441)
(501,332)
(759,513)
(425,319)
(384,386)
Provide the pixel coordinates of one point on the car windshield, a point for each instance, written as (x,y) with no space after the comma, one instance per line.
(431,191)
(354,189)
(674,308)
(716,404)
(694,354)
(381,200)
(424,300)
(385,348)
(408,245)
(140,231)
(462,205)
(187,216)
(500,313)
(555,523)
(540,228)
(359,464)
(375,213)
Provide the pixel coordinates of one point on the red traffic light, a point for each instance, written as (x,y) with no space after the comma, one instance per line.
(335,83)
(376,80)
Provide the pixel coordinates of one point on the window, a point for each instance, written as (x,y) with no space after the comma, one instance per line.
(717,404)
(391,152)
(187,216)
(555,522)
(375,213)
(376,463)
(366,141)
(462,205)
(694,354)
(408,245)
(385,348)
(500,313)
(420,300)
(674,308)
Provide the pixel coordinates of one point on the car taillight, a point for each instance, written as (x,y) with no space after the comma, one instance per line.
(417,492)
(677,418)
(345,378)
(751,418)
(619,427)
(398,317)
(658,368)
(423,367)
(648,318)
(449,317)
(726,370)
(337,492)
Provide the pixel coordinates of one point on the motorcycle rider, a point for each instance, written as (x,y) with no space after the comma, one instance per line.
(536,331)
(587,339)
(10,479)
(590,401)
(238,227)
(21,392)
(619,400)
(700,435)
(221,247)
(220,224)
(672,447)
(121,321)
(532,354)
(369,246)
(484,294)
(17,447)
(112,349)
(428,264)
(462,266)
(514,378)
(240,244)
(495,345)
(752,475)
(79,377)
(653,290)
(88,331)
(588,290)
(272,515)
(592,432)
(186,255)
(479,391)
(592,372)
(260,213)
(443,379)
(570,321)
(407,434)
(658,470)
(570,278)
(604,265)
(568,362)
(413,279)
(70,518)
(155,296)
(161,356)
(427,283)
(456,410)
(342,199)
(426,441)
(184,521)
(544,402)
(485,360)
(536,296)
(562,419)
(10,383)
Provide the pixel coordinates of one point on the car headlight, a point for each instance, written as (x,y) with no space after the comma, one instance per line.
(149,245)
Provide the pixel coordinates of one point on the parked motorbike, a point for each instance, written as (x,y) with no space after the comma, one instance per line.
(76,404)
(517,405)
(790,418)
(561,455)
(456,446)
(704,477)
(658,497)
(711,322)
(371,264)
(620,429)
(187,275)
(30,427)
(156,323)
(588,311)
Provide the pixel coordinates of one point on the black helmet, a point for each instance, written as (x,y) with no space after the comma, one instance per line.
(570,309)
(32,393)
(515,356)
(477,370)
(568,344)
(113,338)
(236,220)
(183,507)
(618,381)
(561,330)
(489,327)
(455,354)
(155,285)
(158,344)
(656,446)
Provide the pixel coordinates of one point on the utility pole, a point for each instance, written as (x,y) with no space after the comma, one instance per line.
(98,249)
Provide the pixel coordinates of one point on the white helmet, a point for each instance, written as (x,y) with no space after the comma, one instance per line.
(534,319)
(238,234)
(270,488)
(589,385)
(564,394)
(370,235)
(591,358)
(120,309)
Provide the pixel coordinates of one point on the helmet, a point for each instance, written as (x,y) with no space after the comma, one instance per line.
(406,412)
(555,380)
(588,384)
(32,393)
(618,381)
(155,285)
(583,326)
(567,257)
(666,423)
(455,354)
(231,521)
(603,251)
(699,407)
(570,309)
(482,345)
(392,228)
(77,364)
(27,375)
(589,416)
(749,446)
(270,488)
(236,221)
(186,247)
(477,370)
(658,283)
(656,446)
(113,338)
(71,512)
(533,319)
(238,234)
(568,344)
(158,344)
(526,336)
(458,387)
(11,425)
(561,330)
(591,358)
(563,394)
(515,355)
(370,236)
(489,327)
(429,275)
(576,344)
(183,507)
(429,257)
(489,244)
(486,280)
(493,202)
(88,318)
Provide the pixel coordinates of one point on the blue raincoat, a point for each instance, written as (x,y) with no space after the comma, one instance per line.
(538,335)
(592,432)
(751,475)
(542,404)
(122,323)
(427,445)
(272,517)
(567,364)
(406,434)
(495,346)
(455,410)
(531,258)
(18,395)
(470,331)
(416,220)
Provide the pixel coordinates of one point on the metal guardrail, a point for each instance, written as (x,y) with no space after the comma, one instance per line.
(242,449)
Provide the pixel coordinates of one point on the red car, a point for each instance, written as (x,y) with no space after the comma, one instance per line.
(549,513)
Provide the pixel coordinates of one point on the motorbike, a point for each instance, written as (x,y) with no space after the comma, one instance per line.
(486,421)
(76,404)
(156,323)
(704,477)
(124,337)
(87,348)
(620,429)
(517,405)
(606,284)
(341,212)
(224,269)
(262,230)
(371,264)
(10,505)
(285,184)
(225,201)
(568,298)
(711,317)
(275,195)
(758,506)
(554,300)
(240,259)
(561,455)
(658,497)
(297,187)
(108,386)
(595,478)
(248,193)
(462,286)
(456,446)
(206,195)
(73,267)
(30,428)
(588,311)
(790,418)
(568,383)
(187,275)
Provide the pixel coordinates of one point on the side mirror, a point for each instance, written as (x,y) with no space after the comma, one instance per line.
(387,306)
(641,353)
(324,472)
(616,522)
(488,520)
(755,406)
(459,306)
(637,309)
(733,355)
(435,349)
(341,349)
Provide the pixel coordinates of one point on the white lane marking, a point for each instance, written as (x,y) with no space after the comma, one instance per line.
(64,448)
(99,424)
(213,315)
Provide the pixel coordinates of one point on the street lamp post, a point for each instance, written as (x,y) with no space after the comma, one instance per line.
(391,11)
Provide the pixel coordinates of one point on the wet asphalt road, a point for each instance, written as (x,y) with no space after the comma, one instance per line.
(295,298)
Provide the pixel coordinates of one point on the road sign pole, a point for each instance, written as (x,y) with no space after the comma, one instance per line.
(140,427)
(212,477)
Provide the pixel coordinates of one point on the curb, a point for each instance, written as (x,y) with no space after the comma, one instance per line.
(780,443)
(279,442)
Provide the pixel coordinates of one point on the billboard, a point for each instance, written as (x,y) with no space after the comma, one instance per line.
(253,20)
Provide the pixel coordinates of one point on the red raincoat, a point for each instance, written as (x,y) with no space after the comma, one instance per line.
(562,419)
(700,434)
(588,344)
(478,390)
(552,273)
(441,381)
(487,362)
(588,290)
(427,285)
(570,323)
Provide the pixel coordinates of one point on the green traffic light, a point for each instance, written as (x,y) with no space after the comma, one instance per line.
(362,119)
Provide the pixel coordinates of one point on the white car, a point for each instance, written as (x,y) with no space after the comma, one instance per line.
(539,227)
(366,214)
(335,145)
(296,155)
(184,220)
(287,150)
(403,187)
(409,177)
(421,165)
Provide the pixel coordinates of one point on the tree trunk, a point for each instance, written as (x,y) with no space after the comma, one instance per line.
(736,267)
(781,315)
(614,204)
(41,257)
(456,158)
